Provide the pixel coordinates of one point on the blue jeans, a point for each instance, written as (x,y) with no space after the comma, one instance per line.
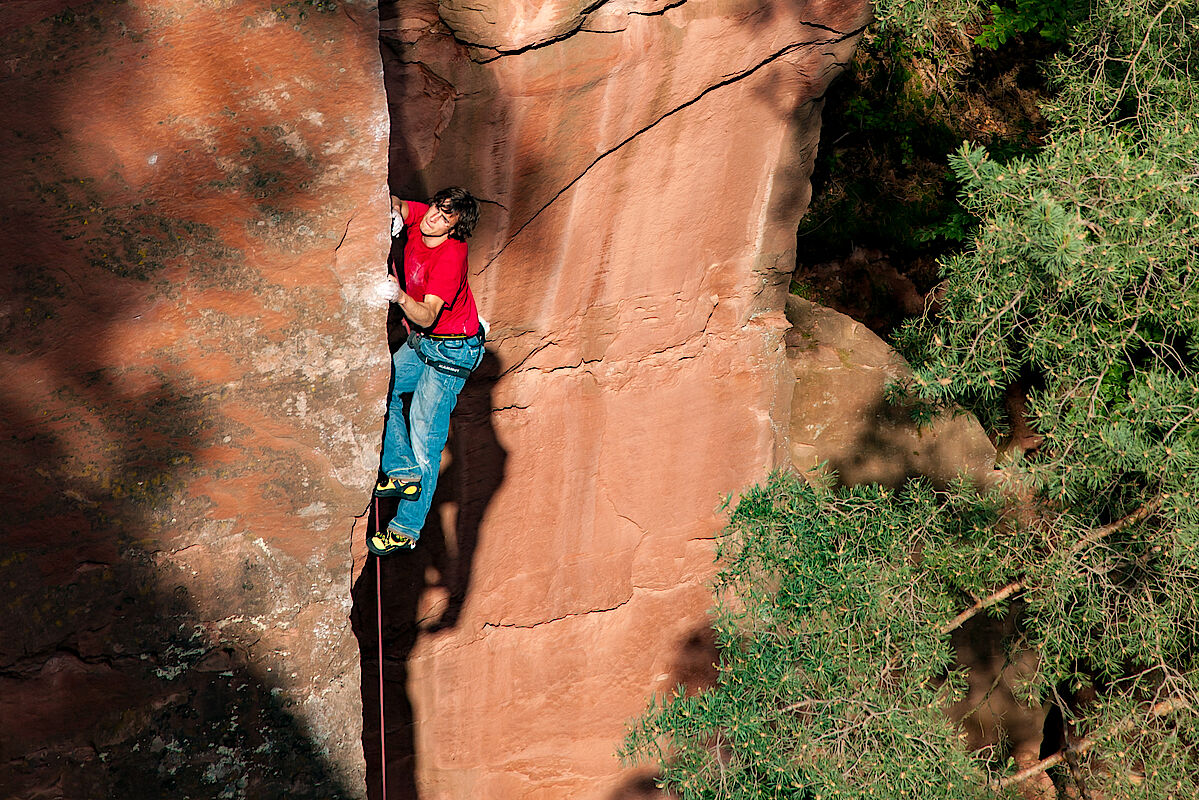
(414,449)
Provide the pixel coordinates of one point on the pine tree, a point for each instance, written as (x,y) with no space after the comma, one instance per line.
(836,606)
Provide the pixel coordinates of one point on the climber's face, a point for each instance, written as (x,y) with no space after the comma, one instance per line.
(438,221)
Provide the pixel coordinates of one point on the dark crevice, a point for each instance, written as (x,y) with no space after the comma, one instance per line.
(518,365)
(660,11)
(501,53)
(532,625)
(591,9)
(827,29)
(583,363)
(513,407)
(344,234)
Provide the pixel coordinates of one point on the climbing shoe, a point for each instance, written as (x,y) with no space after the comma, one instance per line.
(389,540)
(395,487)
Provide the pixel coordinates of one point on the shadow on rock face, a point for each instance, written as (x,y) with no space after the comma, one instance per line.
(423,591)
(692,669)
(841,413)
(111,686)
(640,787)
(893,450)
(111,682)
(694,666)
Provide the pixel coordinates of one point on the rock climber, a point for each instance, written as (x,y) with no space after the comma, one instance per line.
(444,345)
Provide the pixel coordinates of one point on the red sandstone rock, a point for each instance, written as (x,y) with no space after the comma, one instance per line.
(645,166)
(193,210)
(840,416)
(193,206)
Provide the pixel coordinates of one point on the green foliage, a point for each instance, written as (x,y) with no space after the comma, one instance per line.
(889,140)
(996,23)
(1051,19)
(926,24)
(883,190)
(955,226)
(832,674)
(834,619)
(1083,273)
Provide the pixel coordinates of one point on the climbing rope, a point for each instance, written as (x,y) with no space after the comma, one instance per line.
(379,629)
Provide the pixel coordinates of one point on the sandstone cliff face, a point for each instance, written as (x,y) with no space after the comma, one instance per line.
(645,165)
(193,204)
(193,386)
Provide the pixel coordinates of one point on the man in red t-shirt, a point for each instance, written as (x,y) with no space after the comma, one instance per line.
(444,344)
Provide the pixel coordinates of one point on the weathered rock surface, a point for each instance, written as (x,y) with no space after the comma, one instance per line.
(840,416)
(193,211)
(193,205)
(645,165)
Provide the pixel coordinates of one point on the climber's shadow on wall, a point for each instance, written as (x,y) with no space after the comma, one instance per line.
(423,591)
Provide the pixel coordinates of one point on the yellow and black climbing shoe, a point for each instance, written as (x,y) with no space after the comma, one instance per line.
(389,540)
(398,487)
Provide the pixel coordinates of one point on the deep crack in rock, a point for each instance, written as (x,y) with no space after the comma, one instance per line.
(732,78)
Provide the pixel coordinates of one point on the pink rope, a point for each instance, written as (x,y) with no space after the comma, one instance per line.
(379,622)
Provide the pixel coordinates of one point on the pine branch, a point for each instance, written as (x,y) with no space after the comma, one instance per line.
(1096,535)
(995,597)
(1132,71)
(993,320)
(999,595)
(1158,710)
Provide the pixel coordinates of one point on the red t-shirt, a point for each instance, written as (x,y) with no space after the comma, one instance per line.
(440,271)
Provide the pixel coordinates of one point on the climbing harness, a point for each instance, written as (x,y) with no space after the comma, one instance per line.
(379,630)
(444,367)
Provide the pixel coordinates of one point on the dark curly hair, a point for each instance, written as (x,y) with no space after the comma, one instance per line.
(454,200)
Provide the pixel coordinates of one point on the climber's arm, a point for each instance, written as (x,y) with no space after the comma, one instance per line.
(400,206)
(421,313)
